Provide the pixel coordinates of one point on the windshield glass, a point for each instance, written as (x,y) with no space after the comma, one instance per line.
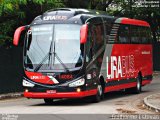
(53,46)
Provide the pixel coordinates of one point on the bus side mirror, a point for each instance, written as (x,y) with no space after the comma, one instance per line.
(83,34)
(17,35)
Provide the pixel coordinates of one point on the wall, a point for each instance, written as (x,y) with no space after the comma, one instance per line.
(11,69)
(156,56)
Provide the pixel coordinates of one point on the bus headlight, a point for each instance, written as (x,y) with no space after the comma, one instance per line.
(77,83)
(27,84)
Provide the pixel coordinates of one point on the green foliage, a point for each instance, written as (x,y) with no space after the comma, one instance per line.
(6,31)
(10,6)
(129,8)
(14,13)
(39,1)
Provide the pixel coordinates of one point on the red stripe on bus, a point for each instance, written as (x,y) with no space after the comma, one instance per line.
(60,95)
(39,77)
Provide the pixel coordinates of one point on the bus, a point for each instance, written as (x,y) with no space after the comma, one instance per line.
(79,53)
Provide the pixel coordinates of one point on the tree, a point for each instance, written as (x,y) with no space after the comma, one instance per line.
(132,9)
(14,13)
(138,10)
(100,4)
(77,3)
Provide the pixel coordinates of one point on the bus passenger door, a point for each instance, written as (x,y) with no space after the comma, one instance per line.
(94,52)
(89,58)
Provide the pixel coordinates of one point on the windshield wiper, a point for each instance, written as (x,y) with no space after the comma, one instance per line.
(55,55)
(50,53)
(64,66)
(48,56)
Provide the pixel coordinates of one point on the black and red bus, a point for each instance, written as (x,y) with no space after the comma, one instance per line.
(75,53)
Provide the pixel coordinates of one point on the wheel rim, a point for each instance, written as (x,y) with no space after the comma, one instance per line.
(100,90)
(138,84)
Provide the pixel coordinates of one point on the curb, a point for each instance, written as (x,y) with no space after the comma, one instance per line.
(150,106)
(11,95)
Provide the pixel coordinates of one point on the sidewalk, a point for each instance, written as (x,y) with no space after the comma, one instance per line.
(153,102)
(11,95)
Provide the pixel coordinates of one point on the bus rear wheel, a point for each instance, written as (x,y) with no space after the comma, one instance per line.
(48,101)
(138,88)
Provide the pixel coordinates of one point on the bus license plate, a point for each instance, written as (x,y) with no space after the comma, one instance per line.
(51,91)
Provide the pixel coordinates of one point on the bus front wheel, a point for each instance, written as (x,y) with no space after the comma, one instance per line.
(98,96)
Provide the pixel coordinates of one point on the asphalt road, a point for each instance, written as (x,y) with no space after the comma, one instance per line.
(113,103)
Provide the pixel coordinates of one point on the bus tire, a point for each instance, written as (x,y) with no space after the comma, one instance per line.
(48,101)
(138,87)
(99,95)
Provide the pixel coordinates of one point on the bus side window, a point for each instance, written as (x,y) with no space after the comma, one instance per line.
(143,34)
(148,35)
(135,34)
(96,38)
(92,41)
(89,46)
(99,36)
(123,34)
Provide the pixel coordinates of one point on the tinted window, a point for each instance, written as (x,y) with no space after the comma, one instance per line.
(148,35)
(99,36)
(123,34)
(135,34)
(95,40)
(130,34)
(143,34)
(89,45)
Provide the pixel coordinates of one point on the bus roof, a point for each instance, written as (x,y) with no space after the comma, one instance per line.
(69,15)
(80,16)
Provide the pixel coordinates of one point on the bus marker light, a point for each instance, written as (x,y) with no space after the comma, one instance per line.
(78,89)
(26,90)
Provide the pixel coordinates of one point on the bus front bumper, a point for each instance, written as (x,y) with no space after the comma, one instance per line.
(60,94)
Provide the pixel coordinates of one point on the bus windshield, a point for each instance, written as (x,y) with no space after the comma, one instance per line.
(53,46)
